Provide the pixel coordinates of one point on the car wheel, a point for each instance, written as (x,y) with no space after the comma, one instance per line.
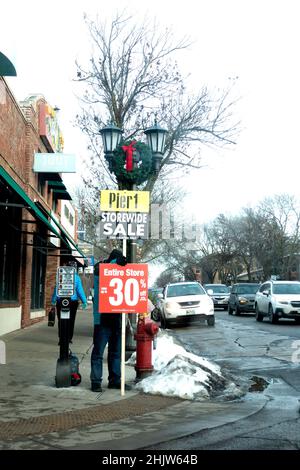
(156,315)
(236,311)
(272,316)
(211,320)
(258,315)
(163,321)
(229,310)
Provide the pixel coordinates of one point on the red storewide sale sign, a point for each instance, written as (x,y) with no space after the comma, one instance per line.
(123,288)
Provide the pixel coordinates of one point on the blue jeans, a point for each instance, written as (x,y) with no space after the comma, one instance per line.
(104,335)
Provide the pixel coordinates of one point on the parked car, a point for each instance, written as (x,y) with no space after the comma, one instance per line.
(184,302)
(220,294)
(242,298)
(278,299)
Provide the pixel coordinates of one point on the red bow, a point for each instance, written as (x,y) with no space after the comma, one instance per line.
(128,149)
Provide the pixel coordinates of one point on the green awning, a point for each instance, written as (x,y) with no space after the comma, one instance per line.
(51,176)
(7,69)
(61,194)
(26,199)
(33,208)
(67,237)
(56,185)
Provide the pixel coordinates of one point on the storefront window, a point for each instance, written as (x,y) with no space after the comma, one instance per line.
(10,246)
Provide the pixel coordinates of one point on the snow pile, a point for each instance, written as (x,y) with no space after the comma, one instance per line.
(178,373)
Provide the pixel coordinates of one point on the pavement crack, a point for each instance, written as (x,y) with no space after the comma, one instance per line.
(239,344)
(37,441)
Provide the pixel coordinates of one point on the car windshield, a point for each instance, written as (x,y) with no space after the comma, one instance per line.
(248,289)
(286,288)
(185,289)
(217,289)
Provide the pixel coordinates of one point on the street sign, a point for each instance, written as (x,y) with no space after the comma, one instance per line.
(124,201)
(123,288)
(65,281)
(119,225)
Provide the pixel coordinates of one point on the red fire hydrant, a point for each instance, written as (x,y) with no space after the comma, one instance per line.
(146,330)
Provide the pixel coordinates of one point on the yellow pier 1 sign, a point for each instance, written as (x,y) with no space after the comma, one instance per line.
(124,201)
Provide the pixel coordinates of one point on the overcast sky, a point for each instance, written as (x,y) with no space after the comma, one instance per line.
(253,42)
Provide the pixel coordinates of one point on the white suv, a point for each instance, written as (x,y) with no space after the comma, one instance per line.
(185,301)
(278,299)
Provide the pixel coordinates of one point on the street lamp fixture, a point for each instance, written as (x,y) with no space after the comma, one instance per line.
(156,137)
(111,137)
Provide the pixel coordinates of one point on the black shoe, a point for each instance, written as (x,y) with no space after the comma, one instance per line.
(118,386)
(71,341)
(96,387)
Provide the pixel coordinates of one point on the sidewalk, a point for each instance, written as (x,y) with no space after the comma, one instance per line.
(34,414)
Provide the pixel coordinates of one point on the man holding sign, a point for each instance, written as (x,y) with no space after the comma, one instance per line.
(107,330)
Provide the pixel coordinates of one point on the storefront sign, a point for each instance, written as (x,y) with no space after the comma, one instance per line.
(54,163)
(49,129)
(123,288)
(124,201)
(124,225)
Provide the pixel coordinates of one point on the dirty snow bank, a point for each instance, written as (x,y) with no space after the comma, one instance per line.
(178,373)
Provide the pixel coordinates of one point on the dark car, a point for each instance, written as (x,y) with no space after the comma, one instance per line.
(242,298)
(219,294)
(153,293)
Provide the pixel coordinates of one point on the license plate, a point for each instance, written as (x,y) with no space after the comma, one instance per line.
(190,312)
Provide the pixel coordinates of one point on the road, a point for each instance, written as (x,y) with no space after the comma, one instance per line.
(247,349)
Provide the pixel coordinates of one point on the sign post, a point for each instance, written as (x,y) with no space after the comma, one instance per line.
(123,289)
(124,215)
(123,340)
(65,282)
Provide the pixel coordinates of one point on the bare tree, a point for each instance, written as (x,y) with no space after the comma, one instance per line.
(166,277)
(278,234)
(133,76)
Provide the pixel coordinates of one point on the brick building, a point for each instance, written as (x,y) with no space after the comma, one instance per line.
(38,222)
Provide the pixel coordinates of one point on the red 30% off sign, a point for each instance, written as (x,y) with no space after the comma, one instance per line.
(123,288)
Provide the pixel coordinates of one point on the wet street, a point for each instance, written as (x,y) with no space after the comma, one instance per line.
(243,343)
(266,357)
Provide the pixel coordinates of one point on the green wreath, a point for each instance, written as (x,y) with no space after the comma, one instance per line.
(142,163)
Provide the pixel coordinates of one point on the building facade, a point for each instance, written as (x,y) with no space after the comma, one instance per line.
(38,222)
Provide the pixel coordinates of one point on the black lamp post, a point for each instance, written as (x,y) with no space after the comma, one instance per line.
(156,138)
(111,137)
